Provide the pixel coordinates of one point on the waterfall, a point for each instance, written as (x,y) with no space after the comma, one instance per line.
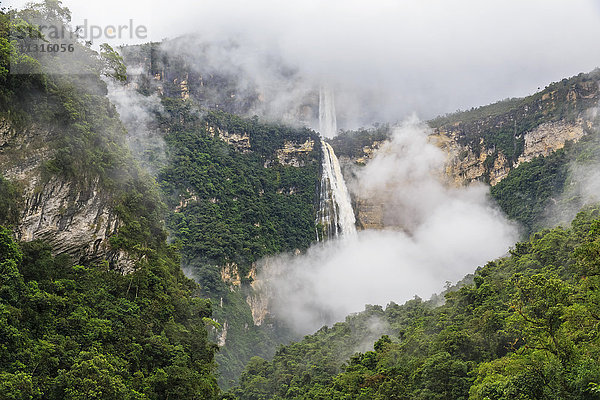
(327,119)
(335,216)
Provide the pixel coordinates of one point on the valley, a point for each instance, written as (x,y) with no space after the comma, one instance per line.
(173,226)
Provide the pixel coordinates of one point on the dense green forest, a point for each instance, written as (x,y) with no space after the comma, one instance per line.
(241,204)
(71,331)
(527,327)
(88,332)
(527,193)
(243,208)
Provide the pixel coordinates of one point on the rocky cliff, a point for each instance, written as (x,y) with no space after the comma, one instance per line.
(75,218)
(482,163)
(486,143)
(214,76)
(369,212)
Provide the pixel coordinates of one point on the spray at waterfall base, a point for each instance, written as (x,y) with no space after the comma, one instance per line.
(450,232)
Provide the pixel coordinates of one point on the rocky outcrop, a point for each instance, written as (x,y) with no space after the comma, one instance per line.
(368,210)
(500,168)
(293,154)
(230,275)
(256,295)
(241,141)
(550,137)
(222,334)
(186,199)
(485,143)
(258,298)
(467,164)
(476,160)
(369,213)
(74,221)
(74,218)
(369,152)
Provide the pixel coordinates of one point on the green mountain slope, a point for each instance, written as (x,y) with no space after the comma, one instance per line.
(238,189)
(240,203)
(233,204)
(500,127)
(526,327)
(73,331)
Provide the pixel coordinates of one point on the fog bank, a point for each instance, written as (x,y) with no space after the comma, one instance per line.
(448,233)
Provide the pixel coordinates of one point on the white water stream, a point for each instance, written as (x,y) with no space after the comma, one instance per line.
(335,216)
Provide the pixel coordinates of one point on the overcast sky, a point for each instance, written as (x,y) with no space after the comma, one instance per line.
(430,56)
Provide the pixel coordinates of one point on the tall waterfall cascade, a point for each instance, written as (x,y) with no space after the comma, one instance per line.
(335,216)
(327,118)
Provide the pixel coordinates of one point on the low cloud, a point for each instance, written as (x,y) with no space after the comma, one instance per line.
(385,58)
(582,185)
(447,232)
(138,113)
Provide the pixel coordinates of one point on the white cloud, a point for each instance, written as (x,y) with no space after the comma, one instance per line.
(396,56)
(448,233)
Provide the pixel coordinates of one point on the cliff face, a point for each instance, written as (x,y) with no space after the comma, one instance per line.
(369,212)
(467,164)
(550,137)
(294,154)
(483,163)
(75,219)
(240,141)
(256,296)
(486,143)
(210,74)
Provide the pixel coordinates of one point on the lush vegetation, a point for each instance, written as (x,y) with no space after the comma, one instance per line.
(237,209)
(527,193)
(75,332)
(502,125)
(527,327)
(9,202)
(352,143)
(235,203)
(79,127)
(71,331)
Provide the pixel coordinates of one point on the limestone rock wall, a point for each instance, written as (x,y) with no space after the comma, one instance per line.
(74,218)
(466,164)
(257,296)
(550,137)
(241,142)
(292,154)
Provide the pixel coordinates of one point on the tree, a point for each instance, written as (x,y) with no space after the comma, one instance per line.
(113,63)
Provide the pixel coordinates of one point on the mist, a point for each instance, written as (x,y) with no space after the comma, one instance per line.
(448,232)
(137,112)
(385,59)
(582,185)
